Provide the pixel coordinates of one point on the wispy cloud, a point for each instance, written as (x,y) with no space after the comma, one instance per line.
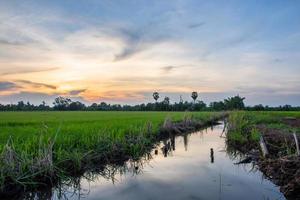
(13,43)
(11,36)
(26,70)
(5,86)
(38,85)
(196,25)
(168,69)
(138,39)
(76,92)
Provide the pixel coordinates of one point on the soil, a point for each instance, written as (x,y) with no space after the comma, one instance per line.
(279,142)
(285,172)
(293,122)
(282,166)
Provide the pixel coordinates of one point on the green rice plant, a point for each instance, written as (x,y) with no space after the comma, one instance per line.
(255,134)
(239,126)
(37,147)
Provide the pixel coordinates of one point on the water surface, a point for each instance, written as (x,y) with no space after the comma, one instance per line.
(194,166)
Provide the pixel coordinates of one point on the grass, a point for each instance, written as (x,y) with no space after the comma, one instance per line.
(38,147)
(243,131)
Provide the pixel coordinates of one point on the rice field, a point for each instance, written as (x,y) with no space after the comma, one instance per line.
(68,127)
(37,146)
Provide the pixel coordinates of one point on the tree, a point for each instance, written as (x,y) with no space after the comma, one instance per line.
(194,96)
(94,106)
(103,106)
(61,103)
(76,106)
(43,106)
(165,104)
(235,102)
(287,107)
(155,96)
(166,101)
(199,105)
(217,106)
(258,107)
(21,105)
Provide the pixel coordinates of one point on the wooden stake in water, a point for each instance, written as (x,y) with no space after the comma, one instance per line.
(297,144)
(263,146)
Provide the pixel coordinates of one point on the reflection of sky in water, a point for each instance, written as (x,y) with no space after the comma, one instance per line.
(186,173)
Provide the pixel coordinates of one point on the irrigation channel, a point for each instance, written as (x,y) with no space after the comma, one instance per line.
(192,166)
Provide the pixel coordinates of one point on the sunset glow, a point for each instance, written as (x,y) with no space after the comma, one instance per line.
(122,51)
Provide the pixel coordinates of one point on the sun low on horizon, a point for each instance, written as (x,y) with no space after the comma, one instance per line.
(123,51)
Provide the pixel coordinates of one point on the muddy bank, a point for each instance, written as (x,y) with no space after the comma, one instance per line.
(188,125)
(281,162)
(285,172)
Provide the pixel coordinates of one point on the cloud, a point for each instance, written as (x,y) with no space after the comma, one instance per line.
(27,70)
(168,69)
(76,92)
(196,25)
(232,42)
(15,38)
(120,97)
(283,87)
(35,98)
(35,84)
(13,43)
(255,90)
(278,60)
(4,86)
(137,40)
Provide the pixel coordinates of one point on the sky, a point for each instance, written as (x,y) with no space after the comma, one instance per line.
(121,51)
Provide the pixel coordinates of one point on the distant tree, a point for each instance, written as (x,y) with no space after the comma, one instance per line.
(43,106)
(103,106)
(155,96)
(166,101)
(258,107)
(76,106)
(217,106)
(198,106)
(180,100)
(94,106)
(287,107)
(235,102)
(61,103)
(21,105)
(165,104)
(194,96)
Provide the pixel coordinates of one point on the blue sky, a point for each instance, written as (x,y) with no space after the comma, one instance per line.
(122,51)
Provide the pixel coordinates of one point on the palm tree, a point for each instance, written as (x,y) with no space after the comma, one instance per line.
(194,96)
(155,96)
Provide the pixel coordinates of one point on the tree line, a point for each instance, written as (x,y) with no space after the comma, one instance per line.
(66,104)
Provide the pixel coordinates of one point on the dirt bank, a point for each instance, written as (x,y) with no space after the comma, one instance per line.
(281,164)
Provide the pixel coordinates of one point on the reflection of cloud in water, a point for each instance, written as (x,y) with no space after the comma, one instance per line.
(181,168)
